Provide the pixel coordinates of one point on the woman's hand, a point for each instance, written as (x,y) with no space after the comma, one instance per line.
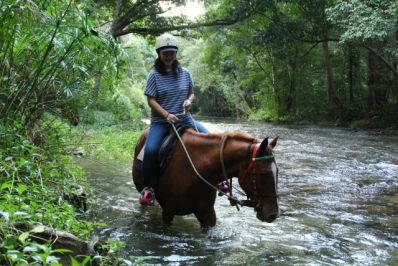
(187,104)
(171,118)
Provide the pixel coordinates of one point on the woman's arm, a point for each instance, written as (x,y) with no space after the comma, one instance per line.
(188,102)
(155,106)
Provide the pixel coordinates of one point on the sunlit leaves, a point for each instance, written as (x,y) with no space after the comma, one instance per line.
(50,57)
(362,21)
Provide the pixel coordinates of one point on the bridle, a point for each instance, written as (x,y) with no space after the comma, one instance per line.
(250,170)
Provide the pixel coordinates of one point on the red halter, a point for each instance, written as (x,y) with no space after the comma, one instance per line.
(252,168)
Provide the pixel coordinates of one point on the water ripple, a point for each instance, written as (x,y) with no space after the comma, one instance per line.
(339,202)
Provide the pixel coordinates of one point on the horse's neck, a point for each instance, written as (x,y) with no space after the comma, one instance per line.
(235,155)
(209,146)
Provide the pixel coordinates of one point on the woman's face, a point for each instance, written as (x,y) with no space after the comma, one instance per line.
(168,57)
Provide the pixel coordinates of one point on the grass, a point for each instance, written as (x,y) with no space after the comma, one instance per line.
(115,142)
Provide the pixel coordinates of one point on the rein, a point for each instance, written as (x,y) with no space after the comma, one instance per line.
(251,202)
(230,197)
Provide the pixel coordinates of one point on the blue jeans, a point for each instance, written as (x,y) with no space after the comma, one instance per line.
(157,133)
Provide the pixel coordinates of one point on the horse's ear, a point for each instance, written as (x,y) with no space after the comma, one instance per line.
(263,146)
(273,143)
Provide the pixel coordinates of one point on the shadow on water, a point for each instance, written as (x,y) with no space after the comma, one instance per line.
(339,201)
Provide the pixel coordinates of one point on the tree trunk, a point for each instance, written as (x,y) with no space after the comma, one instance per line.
(291,98)
(332,99)
(378,82)
(395,78)
(97,84)
(395,88)
(116,27)
(350,73)
(242,108)
(274,81)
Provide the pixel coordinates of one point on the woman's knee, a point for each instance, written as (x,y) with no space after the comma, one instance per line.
(201,127)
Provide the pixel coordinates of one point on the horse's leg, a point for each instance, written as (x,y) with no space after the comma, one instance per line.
(206,218)
(167,216)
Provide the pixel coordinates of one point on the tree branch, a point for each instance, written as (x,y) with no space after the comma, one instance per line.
(120,23)
(155,31)
(384,60)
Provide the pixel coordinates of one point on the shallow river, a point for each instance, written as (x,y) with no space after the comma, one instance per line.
(339,203)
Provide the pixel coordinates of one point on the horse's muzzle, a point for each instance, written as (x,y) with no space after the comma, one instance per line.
(266,216)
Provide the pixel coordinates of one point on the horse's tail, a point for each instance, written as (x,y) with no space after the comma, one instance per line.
(138,178)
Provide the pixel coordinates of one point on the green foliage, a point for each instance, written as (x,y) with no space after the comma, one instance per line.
(50,57)
(31,254)
(263,66)
(126,100)
(115,142)
(32,185)
(272,65)
(363,21)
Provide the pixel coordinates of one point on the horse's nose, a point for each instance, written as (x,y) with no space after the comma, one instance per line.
(264,216)
(257,208)
(271,218)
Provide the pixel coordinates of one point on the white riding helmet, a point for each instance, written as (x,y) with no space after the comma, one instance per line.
(166,42)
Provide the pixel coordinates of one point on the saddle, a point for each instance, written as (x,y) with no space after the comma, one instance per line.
(167,148)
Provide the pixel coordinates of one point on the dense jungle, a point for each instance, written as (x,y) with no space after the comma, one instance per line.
(73,72)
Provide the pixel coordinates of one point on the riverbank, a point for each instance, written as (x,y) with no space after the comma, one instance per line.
(375,124)
(43,195)
(114,142)
(45,198)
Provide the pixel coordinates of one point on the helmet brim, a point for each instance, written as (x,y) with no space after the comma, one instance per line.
(168,49)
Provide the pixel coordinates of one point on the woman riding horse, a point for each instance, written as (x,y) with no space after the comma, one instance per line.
(169,91)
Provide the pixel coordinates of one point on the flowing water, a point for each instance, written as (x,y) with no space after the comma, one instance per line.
(339,204)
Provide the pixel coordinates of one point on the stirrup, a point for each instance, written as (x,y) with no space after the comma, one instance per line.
(147,196)
(223,186)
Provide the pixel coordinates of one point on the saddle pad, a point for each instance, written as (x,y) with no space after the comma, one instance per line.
(140,155)
(166,147)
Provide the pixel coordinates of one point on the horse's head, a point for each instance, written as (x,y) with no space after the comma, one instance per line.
(259,180)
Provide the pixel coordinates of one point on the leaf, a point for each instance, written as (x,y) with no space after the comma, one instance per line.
(75,262)
(22,237)
(62,250)
(29,249)
(52,259)
(9,158)
(5,215)
(21,213)
(6,185)
(21,189)
(38,229)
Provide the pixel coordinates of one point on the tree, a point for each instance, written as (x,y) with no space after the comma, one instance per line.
(372,25)
(49,59)
(144,17)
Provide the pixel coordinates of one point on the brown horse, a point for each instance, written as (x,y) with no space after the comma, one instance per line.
(181,191)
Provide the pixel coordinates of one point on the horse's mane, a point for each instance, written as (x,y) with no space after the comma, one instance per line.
(230,135)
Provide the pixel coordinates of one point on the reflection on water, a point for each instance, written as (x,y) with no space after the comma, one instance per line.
(339,201)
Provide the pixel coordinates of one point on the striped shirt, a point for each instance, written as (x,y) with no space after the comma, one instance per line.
(169,91)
